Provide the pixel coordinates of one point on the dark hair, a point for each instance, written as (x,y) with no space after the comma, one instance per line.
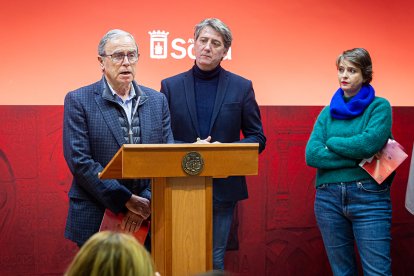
(360,58)
(218,26)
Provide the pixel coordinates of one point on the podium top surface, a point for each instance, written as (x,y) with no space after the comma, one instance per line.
(208,146)
(173,160)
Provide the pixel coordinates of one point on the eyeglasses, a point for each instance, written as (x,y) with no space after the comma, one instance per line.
(119,57)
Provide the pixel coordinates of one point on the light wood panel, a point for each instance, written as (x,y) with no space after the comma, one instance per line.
(155,160)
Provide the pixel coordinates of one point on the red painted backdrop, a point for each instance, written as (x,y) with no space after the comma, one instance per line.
(277,229)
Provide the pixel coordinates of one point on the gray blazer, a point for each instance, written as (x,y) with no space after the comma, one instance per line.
(92,134)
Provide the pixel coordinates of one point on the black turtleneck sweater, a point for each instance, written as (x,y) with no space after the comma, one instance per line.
(205,85)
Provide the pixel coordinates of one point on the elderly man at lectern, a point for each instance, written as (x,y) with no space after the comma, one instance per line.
(211,104)
(98,120)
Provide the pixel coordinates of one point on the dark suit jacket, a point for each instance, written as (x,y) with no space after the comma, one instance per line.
(235,110)
(92,134)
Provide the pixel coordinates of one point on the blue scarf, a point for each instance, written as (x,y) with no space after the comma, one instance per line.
(355,106)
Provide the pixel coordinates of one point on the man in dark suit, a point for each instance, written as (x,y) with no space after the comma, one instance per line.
(98,119)
(210,104)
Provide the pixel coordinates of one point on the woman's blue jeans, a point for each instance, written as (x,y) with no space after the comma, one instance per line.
(222,219)
(357,211)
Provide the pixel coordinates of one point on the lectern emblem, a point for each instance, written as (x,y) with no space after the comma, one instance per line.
(193,163)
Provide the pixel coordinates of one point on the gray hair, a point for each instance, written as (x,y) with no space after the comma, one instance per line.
(111,35)
(360,58)
(218,26)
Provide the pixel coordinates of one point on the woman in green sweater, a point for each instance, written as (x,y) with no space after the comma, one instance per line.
(349,205)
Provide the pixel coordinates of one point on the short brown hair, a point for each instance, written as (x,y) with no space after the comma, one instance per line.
(360,58)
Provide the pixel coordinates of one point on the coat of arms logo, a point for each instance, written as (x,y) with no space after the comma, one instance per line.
(193,163)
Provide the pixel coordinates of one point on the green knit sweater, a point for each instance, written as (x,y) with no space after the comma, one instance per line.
(336,147)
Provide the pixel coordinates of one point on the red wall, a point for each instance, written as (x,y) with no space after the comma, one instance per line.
(277,230)
(288,48)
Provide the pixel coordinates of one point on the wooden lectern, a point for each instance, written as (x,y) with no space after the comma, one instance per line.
(181,219)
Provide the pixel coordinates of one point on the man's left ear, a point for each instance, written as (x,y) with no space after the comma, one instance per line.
(225,53)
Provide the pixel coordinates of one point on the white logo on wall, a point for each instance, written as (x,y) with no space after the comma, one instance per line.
(158,44)
(180,48)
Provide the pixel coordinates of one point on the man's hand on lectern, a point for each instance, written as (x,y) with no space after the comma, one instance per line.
(203,141)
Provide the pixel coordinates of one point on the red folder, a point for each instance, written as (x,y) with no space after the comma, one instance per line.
(112,222)
(382,164)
